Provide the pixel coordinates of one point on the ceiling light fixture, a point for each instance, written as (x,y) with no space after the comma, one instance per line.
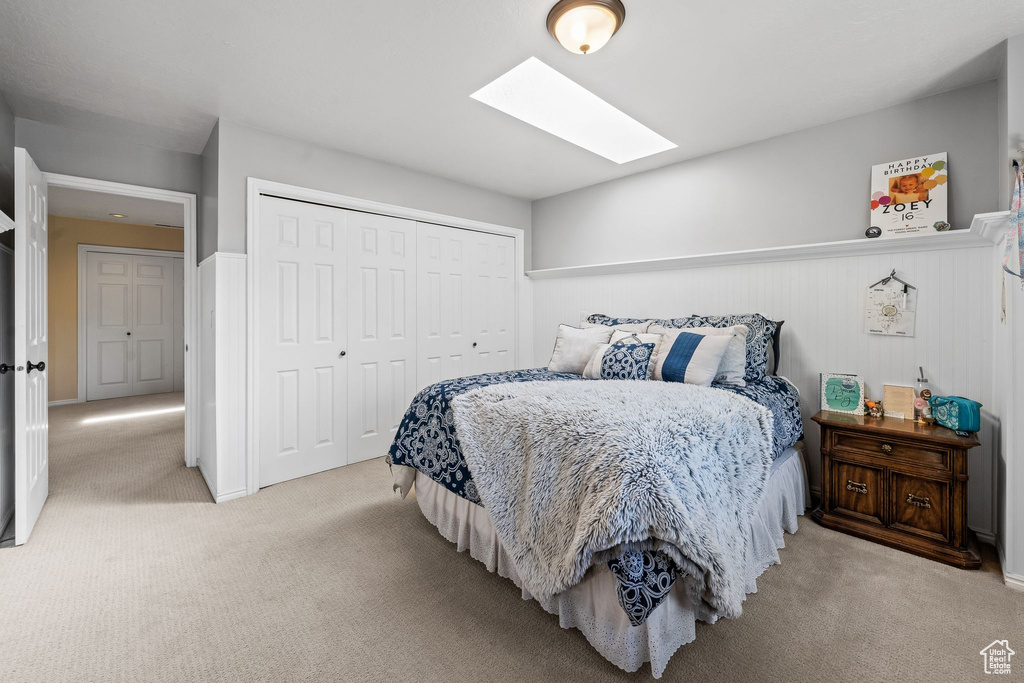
(117,215)
(585,26)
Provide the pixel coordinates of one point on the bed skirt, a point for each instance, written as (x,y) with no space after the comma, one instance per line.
(592,605)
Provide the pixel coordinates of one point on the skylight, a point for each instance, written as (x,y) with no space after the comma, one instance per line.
(537,94)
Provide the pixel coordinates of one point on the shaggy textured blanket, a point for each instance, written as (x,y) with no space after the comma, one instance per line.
(575,473)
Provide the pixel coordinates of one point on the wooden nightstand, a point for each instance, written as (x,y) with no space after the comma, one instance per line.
(899,483)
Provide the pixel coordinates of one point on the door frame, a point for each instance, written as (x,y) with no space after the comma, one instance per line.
(188,204)
(83,279)
(256,188)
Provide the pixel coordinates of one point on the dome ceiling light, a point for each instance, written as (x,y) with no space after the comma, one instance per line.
(585,26)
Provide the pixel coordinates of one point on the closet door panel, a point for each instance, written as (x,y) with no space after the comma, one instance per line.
(382,330)
(152,338)
(302,333)
(443,303)
(492,307)
(108,325)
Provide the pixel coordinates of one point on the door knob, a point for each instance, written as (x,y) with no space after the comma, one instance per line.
(474,345)
(40,366)
(129,334)
(5,368)
(341,354)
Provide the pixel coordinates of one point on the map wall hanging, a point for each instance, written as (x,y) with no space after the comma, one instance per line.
(910,197)
(891,307)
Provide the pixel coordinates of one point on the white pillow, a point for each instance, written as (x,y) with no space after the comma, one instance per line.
(690,357)
(734,362)
(575,346)
(628,327)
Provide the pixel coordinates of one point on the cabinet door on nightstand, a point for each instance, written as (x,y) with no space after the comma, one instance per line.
(857,490)
(920,506)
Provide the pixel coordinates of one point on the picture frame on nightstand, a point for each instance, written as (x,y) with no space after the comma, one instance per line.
(842,393)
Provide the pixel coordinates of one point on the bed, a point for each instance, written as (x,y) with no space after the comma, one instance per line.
(636,599)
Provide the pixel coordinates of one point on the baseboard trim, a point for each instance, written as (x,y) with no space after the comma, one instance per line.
(1013,581)
(64,402)
(985,537)
(231,495)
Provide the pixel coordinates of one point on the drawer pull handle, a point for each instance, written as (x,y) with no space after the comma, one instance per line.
(886,448)
(856,486)
(919,501)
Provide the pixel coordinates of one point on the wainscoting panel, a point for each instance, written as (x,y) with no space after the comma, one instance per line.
(822,303)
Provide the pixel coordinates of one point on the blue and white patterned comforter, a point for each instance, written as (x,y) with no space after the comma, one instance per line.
(426,441)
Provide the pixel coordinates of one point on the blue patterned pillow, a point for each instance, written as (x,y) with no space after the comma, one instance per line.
(758,341)
(626,361)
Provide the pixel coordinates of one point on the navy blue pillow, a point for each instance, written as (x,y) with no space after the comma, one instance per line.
(626,361)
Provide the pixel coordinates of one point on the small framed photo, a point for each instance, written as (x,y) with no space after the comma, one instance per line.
(842,393)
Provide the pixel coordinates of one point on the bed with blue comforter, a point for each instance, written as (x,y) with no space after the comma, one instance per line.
(427,441)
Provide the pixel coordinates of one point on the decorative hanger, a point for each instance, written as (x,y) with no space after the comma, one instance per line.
(892,276)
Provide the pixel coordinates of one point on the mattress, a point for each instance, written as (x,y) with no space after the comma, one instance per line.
(591,606)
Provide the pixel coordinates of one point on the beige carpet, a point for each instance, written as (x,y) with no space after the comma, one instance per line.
(134,574)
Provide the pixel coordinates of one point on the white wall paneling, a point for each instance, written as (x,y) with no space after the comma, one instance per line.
(821,299)
(222,387)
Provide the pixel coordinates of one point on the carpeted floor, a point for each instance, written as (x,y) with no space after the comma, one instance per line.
(134,574)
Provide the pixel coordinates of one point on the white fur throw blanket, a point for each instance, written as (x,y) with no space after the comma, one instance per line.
(574,473)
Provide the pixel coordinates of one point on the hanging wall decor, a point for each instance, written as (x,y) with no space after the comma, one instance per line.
(908,197)
(891,307)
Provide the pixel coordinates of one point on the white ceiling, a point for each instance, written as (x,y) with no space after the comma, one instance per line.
(98,206)
(391,80)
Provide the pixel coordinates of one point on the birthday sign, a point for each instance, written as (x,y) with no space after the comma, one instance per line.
(909,197)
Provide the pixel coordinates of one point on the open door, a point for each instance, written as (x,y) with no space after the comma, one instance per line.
(31,424)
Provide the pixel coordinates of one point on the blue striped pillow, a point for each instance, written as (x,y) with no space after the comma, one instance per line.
(693,358)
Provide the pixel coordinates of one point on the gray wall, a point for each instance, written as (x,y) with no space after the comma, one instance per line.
(6,159)
(206,238)
(57,149)
(803,187)
(246,151)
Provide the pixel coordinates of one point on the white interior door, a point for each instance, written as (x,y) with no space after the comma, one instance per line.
(302,332)
(492,303)
(381,330)
(443,302)
(31,427)
(108,325)
(133,326)
(152,334)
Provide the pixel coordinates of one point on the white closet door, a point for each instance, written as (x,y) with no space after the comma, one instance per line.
(382,330)
(152,340)
(302,336)
(443,304)
(108,308)
(492,303)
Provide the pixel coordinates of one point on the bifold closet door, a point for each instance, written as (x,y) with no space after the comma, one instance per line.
(382,330)
(303,337)
(466,303)
(130,324)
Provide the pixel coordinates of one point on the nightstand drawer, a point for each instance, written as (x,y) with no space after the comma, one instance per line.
(923,454)
(921,506)
(857,491)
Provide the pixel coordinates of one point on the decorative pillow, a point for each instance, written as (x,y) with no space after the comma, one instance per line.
(623,337)
(626,327)
(733,365)
(575,346)
(758,340)
(620,361)
(692,358)
(602,319)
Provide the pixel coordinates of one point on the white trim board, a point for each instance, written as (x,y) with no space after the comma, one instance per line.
(985,231)
(188,204)
(83,250)
(257,187)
